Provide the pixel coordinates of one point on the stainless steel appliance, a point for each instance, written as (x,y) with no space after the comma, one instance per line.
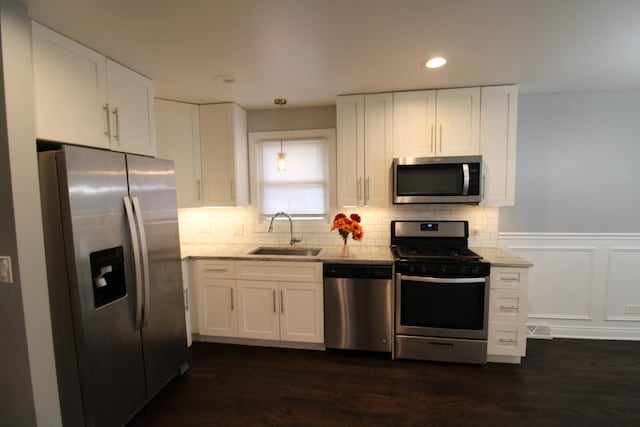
(114,276)
(358,307)
(437,179)
(442,293)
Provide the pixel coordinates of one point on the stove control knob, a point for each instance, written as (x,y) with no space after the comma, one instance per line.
(412,268)
(464,269)
(423,269)
(475,270)
(443,268)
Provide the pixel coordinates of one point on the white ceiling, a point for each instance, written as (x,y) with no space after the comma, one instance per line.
(309,51)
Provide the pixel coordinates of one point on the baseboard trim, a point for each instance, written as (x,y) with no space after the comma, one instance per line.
(260,343)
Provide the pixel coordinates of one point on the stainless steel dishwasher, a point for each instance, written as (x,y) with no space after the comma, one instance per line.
(358,306)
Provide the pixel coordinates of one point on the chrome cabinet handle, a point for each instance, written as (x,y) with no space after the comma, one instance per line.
(186,299)
(116,121)
(274,301)
(366,191)
(358,182)
(107,123)
(215,270)
(508,308)
(432,140)
(231,299)
(282,302)
(509,279)
(198,189)
(509,341)
(441,138)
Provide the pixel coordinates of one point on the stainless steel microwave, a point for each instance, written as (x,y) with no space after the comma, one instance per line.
(437,179)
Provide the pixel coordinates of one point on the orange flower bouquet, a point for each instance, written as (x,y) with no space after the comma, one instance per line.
(348,225)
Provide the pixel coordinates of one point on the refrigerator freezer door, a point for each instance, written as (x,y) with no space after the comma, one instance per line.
(152,189)
(91,185)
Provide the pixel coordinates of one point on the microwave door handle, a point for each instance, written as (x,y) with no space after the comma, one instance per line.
(465,179)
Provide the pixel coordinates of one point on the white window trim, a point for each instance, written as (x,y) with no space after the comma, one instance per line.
(308,226)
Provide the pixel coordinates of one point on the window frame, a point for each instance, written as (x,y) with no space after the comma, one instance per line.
(312,225)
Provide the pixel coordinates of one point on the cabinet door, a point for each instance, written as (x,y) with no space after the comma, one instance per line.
(131,110)
(187,299)
(218,308)
(458,121)
(258,310)
(350,150)
(178,136)
(498,133)
(414,120)
(223,149)
(378,134)
(70,87)
(301,312)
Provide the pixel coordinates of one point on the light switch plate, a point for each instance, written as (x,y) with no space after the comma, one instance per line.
(6,276)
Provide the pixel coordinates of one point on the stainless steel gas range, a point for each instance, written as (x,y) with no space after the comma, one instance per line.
(442,293)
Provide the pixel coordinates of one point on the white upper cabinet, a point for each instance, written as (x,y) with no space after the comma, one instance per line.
(431,123)
(414,123)
(498,132)
(130,99)
(223,149)
(178,136)
(84,98)
(365,132)
(71,90)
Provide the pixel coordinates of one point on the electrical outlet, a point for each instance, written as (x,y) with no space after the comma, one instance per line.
(632,309)
(6,276)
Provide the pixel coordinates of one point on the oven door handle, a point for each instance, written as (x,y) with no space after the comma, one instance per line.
(444,280)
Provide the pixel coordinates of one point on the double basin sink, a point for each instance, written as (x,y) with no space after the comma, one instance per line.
(285,251)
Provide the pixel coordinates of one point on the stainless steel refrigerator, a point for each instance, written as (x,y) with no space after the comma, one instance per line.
(115,281)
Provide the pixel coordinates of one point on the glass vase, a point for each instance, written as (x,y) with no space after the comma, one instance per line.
(345,250)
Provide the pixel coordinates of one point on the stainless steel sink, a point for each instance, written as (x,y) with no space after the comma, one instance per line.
(310,252)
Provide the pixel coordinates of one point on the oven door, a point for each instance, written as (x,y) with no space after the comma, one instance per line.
(442,307)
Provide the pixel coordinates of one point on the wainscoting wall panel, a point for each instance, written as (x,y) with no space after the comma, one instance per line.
(582,285)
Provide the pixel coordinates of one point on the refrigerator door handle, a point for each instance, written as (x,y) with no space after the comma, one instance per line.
(145,257)
(136,259)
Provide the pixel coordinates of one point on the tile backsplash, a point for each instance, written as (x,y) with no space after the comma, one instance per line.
(238,225)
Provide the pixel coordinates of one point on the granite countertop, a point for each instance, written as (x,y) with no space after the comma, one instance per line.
(332,254)
(501,258)
(328,254)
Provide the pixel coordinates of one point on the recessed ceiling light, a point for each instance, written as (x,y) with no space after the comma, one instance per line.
(436,62)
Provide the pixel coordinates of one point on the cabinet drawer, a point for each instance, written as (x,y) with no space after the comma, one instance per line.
(506,339)
(509,278)
(281,271)
(215,269)
(508,306)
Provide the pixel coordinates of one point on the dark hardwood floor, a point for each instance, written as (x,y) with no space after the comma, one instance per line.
(560,383)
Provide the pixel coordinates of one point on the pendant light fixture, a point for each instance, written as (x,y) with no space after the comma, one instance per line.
(282,157)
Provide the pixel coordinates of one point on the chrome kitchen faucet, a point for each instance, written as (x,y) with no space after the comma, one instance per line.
(292,240)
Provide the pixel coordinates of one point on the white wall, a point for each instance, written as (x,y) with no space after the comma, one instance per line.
(18,90)
(577,213)
(577,167)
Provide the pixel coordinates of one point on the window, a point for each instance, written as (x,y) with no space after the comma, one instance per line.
(305,189)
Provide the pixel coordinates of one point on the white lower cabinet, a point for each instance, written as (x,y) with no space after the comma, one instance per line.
(507,342)
(260,300)
(216,298)
(280,301)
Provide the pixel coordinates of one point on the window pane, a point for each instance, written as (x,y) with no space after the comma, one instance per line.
(302,188)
